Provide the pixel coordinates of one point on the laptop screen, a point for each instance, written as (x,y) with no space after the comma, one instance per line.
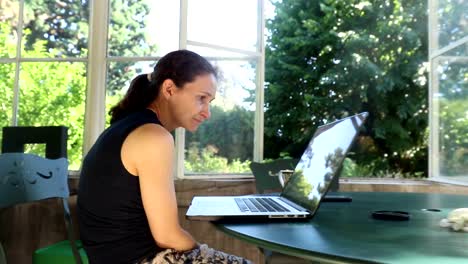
(321,161)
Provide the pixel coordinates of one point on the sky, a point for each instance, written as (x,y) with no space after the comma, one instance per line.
(229,23)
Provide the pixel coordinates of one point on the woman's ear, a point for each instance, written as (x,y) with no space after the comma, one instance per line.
(168,88)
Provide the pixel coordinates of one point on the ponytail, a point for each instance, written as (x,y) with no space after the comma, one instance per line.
(139,96)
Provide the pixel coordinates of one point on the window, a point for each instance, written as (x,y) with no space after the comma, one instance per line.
(43,67)
(55,71)
(329,59)
(448,53)
(226,141)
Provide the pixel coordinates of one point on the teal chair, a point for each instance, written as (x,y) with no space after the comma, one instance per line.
(26,178)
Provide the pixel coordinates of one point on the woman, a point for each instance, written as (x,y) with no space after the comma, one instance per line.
(127,206)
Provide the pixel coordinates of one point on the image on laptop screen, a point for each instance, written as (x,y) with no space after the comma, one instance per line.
(321,160)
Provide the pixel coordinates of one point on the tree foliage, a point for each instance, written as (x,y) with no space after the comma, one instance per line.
(228,132)
(453,136)
(128,32)
(7,76)
(64,26)
(51,93)
(207,160)
(61,25)
(452,25)
(331,58)
(325,59)
(452,100)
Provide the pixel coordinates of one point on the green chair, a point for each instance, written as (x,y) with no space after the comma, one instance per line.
(266,173)
(26,178)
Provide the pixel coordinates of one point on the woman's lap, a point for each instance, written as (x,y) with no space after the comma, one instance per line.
(200,255)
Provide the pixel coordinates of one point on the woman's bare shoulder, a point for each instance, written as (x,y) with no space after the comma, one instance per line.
(151,133)
(145,146)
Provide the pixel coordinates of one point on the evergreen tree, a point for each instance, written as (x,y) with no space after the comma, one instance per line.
(331,58)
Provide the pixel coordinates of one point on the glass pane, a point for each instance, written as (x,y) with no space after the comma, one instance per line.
(7,77)
(8,23)
(224,143)
(56,28)
(325,60)
(452,99)
(452,20)
(225,23)
(460,51)
(143,28)
(119,76)
(53,93)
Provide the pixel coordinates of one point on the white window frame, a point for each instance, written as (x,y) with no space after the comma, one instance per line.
(97,70)
(98,61)
(436,54)
(19,59)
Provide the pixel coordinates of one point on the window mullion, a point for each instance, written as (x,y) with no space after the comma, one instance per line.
(180,132)
(95,116)
(14,116)
(260,79)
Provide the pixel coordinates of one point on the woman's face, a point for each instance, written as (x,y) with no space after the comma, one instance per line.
(191,103)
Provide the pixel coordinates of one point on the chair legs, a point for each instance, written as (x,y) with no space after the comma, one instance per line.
(2,255)
(65,252)
(70,233)
(266,255)
(271,257)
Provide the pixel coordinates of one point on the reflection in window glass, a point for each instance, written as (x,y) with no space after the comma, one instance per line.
(8,22)
(452,100)
(143,28)
(233,24)
(224,143)
(61,28)
(7,75)
(453,24)
(53,93)
(449,91)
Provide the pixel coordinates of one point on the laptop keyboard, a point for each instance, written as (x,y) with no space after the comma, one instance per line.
(259,204)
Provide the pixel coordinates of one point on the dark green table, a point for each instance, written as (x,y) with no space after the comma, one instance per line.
(345,232)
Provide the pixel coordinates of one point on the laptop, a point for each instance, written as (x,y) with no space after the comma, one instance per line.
(301,196)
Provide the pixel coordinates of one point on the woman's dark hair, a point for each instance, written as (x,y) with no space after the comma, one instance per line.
(181,66)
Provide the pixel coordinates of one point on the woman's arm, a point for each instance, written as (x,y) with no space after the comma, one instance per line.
(149,153)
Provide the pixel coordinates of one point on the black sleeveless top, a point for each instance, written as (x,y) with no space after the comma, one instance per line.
(112,222)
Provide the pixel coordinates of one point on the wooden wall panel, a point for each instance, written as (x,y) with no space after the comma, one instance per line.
(26,227)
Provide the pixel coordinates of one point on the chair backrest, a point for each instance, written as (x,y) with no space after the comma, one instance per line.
(54,137)
(266,173)
(28,177)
